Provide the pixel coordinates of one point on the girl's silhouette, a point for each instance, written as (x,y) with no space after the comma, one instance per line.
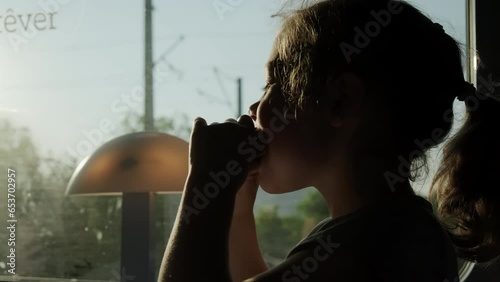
(357,93)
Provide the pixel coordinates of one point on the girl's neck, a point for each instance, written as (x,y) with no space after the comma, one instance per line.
(347,192)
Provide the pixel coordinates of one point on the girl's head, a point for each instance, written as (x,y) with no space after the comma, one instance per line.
(368,86)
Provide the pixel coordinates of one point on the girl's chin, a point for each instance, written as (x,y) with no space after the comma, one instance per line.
(267,189)
(275,189)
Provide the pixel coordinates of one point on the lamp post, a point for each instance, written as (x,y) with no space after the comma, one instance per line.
(136,165)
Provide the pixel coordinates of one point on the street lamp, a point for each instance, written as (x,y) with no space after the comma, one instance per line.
(136,165)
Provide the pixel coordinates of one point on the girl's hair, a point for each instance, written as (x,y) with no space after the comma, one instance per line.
(418,68)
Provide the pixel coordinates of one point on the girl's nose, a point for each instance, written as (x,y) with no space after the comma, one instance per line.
(252,110)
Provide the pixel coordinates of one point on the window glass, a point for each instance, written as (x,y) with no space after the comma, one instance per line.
(71,79)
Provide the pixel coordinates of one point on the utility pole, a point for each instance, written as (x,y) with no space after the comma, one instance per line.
(148,67)
(227,100)
(239,97)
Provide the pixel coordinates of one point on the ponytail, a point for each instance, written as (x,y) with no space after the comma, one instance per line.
(466,188)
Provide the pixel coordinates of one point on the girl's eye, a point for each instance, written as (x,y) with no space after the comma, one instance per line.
(267,86)
(265,89)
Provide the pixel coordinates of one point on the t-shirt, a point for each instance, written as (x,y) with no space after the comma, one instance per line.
(398,239)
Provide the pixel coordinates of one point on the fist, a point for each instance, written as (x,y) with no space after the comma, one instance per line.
(214,149)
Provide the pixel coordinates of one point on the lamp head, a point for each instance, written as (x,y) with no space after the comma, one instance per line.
(133,163)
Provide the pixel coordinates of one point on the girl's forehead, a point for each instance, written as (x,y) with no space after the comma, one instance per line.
(273,55)
(268,68)
(271,68)
(270,65)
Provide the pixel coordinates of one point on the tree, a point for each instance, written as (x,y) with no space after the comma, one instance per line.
(279,234)
(313,206)
(18,152)
(313,209)
(49,223)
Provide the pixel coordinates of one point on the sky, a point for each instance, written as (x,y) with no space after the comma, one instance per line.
(73,76)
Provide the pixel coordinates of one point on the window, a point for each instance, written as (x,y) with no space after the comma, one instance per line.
(71,79)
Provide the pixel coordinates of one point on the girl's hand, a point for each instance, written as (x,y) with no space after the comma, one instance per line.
(214,150)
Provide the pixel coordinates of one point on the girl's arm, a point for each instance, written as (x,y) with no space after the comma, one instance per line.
(198,245)
(245,258)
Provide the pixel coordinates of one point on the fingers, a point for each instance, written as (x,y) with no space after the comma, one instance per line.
(243,120)
(230,120)
(199,122)
(246,121)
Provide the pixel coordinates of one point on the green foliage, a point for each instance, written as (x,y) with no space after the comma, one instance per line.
(279,234)
(56,236)
(19,153)
(313,206)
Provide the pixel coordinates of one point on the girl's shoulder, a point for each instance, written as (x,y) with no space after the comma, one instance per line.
(399,236)
(398,213)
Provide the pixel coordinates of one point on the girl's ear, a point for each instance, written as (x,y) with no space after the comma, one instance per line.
(343,98)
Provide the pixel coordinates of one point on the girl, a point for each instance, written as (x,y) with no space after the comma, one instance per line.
(357,90)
